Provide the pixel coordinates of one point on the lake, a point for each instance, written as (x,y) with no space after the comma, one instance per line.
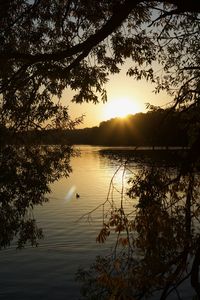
(48,271)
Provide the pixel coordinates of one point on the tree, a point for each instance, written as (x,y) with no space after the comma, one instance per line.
(47,46)
(26,174)
(157,238)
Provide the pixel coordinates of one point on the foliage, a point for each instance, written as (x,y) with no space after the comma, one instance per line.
(155,128)
(157,238)
(48,46)
(24,183)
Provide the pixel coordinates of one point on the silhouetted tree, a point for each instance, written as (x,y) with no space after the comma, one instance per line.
(26,174)
(157,239)
(47,46)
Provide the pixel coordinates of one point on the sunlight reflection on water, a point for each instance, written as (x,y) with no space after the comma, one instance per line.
(47,272)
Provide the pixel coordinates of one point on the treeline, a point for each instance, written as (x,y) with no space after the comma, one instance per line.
(160,128)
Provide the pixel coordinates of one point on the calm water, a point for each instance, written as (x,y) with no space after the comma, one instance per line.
(48,272)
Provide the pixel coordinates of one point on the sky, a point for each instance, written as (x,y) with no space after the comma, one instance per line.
(126,95)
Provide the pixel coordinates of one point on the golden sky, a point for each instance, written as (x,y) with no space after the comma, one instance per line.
(125,96)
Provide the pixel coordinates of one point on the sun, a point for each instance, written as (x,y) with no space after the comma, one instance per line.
(120,107)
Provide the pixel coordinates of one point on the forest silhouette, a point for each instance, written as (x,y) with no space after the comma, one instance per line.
(154,128)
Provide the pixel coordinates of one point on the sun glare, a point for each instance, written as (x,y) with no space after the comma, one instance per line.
(120,108)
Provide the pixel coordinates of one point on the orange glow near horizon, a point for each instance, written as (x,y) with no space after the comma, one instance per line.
(126,96)
(120,107)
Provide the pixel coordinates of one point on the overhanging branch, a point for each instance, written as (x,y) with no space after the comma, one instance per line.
(119,15)
(114,22)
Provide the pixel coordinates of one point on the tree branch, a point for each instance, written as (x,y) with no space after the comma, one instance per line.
(114,22)
(165,14)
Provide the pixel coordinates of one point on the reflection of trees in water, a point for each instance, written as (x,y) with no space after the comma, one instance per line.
(25,175)
(157,242)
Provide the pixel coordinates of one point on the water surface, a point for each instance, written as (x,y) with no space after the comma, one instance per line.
(48,271)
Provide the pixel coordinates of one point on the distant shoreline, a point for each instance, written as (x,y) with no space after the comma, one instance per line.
(139,130)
